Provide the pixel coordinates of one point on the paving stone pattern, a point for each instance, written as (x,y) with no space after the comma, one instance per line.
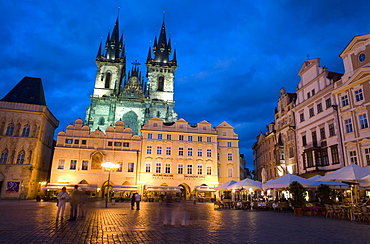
(34,222)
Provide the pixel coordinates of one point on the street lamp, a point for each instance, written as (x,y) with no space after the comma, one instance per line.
(108,166)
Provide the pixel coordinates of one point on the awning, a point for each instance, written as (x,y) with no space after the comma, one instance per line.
(163,189)
(205,189)
(59,186)
(125,188)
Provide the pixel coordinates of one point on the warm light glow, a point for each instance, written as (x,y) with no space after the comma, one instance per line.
(63,181)
(109,165)
(141,182)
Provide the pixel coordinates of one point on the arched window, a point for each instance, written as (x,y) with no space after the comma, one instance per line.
(4,157)
(160,83)
(26,130)
(108,77)
(101,121)
(20,158)
(10,130)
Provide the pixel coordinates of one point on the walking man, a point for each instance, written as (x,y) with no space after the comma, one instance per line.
(137,200)
(62,200)
(75,200)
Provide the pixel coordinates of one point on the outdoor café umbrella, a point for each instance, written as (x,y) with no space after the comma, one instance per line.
(224,186)
(331,184)
(285,180)
(246,184)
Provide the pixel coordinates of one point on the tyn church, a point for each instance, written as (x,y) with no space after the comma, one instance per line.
(130,97)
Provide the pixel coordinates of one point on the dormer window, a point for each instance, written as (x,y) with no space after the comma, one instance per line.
(361,57)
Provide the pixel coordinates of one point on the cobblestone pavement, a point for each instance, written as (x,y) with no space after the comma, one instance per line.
(34,222)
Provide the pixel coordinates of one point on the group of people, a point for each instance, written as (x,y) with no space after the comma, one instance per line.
(77,200)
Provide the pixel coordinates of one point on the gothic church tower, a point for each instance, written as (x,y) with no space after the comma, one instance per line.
(130,98)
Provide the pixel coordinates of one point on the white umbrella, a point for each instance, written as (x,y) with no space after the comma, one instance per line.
(225,185)
(315,177)
(285,180)
(246,184)
(350,173)
(331,184)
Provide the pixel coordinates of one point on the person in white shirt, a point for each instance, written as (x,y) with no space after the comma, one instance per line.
(62,197)
(137,200)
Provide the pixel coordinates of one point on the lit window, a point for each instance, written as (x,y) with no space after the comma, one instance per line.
(130,167)
(61,164)
(73,165)
(69,141)
(85,165)
(120,166)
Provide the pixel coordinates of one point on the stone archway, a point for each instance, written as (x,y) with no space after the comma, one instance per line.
(185,191)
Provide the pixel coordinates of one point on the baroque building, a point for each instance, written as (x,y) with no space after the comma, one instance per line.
(26,135)
(130,98)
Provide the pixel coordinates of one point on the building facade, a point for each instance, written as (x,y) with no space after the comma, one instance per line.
(130,98)
(352,94)
(26,135)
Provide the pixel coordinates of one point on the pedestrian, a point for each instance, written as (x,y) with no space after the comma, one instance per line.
(62,198)
(137,200)
(84,200)
(133,201)
(75,201)
(194,198)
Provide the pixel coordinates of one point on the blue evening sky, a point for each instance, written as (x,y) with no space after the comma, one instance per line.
(233,56)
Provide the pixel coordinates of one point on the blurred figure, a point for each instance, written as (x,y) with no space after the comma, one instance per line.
(133,201)
(75,201)
(84,200)
(137,200)
(62,197)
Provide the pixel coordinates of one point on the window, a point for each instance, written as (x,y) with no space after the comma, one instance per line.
(229,144)
(353,157)
(190,169)
(363,121)
(313,92)
(348,125)
(61,164)
(168,168)
(301,117)
(150,135)
(20,158)
(190,152)
(328,103)
(180,169)
(101,121)
(181,137)
(159,150)
(309,159)
(126,144)
(319,108)
(4,157)
(148,149)
(26,130)
(83,142)
(308,95)
(230,172)
(331,130)
(322,133)
(190,138)
(85,165)
(9,130)
(218,156)
(230,157)
(117,144)
(344,100)
(359,95)
(181,151)
(158,167)
(334,154)
(155,125)
(69,141)
(209,170)
(291,152)
(73,165)
(160,83)
(169,137)
(311,111)
(77,142)
(147,167)
(120,167)
(325,157)
(304,140)
(159,136)
(209,153)
(110,143)
(200,170)
(168,150)
(130,167)
(200,139)
(200,152)
(209,139)
(314,138)
(367,156)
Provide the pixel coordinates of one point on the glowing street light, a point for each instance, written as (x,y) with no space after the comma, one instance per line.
(108,166)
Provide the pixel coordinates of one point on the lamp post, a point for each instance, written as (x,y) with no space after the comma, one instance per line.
(108,166)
